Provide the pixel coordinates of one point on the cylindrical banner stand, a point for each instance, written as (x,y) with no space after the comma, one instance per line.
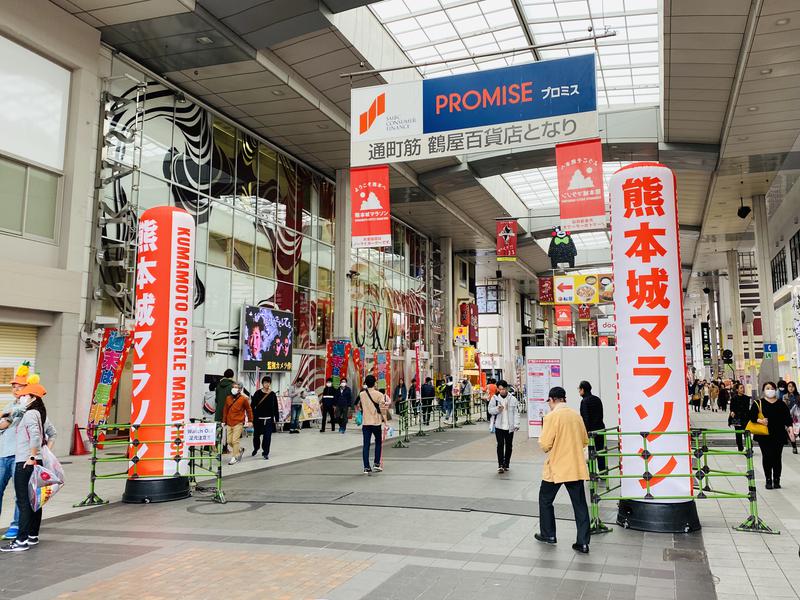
(161,359)
(651,358)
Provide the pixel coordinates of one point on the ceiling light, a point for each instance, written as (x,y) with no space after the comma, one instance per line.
(752,108)
(278,93)
(743,211)
(766,71)
(743,138)
(323,125)
(784,21)
(204,40)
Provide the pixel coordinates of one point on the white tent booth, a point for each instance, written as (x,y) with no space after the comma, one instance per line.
(567,366)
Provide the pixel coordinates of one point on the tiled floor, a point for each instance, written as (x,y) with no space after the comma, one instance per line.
(438,523)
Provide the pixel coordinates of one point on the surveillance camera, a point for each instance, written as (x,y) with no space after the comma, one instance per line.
(743,211)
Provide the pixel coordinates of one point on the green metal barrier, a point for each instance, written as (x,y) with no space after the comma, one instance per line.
(201,460)
(701,476)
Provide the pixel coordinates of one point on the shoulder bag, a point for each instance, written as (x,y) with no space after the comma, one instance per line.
(757,428)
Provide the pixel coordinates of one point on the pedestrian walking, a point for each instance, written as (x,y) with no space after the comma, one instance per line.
(236,414)
(221,392)
(792,399)
(265,417)
(399,397)
(373,406)
(503,408)
(740,413)
(713,395)
(706,394)
(413,400)
(427,393)
(774,414)
(344,400)
(592,415)
(447,399)
(724,396)
(328,406)
(466,396)
(563,438)
(296,395)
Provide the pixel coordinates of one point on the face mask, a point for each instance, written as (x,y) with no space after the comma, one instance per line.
(449,384)
(328,383)
(343,384)
(235,391)
(769,393)
(25,400)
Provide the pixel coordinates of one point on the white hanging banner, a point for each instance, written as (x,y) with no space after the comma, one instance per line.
(648,302)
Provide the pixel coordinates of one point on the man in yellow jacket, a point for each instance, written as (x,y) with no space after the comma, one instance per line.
(563,439)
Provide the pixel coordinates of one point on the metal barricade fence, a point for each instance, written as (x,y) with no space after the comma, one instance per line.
(201,460)
(702,474)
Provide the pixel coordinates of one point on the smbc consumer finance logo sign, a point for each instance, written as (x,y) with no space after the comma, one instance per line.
(382,112)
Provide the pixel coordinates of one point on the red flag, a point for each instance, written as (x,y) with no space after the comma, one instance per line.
(580,184)
(546,293)
(507,240)
(369,193)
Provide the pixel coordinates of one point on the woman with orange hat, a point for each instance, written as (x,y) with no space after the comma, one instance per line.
(30,437)
(8,443)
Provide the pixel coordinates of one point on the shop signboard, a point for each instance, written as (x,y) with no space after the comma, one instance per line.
(584,312)
(575,289)
(369,199)
(506,239)
(542,374)
(563,316)
(606,325)
(580,185)
(796,322)
(705,340)
(461,335)
(546,292)
(651,360)
(111,359)
(602,340)
(571,339)
(537,104)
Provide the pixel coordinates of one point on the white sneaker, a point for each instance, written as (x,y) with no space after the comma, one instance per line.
(233,461)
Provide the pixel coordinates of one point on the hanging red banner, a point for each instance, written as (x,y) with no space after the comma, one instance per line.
(110,362)
(417,366)
(602,340)
(593,327)
(506,240)
(473,322)
(337,354)
(571,339)
(584,312)
(546,293)
(580,185)
(563,316)
(369,199)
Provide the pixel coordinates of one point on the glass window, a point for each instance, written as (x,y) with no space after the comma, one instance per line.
(302,319)
(267,184)
(201,215)
(242,287)
(200,311)
(224,160)
(265,289)
(246,170)
(302,272)
(12,195)
(324,268)
(244,241)
(324,318)
(794,254)
(152,192)
(40,216)
(287,193)
(265,257)
(327,201)
(779,278)
(220,234)
(157,143)
(218,300)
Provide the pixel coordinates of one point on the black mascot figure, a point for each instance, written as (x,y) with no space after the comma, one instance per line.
(562,248)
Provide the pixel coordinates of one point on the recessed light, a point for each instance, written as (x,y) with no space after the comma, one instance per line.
(278,92)
(784,21)
(323,125)
(743,138)
(752,108)
(766,71)
(204,40)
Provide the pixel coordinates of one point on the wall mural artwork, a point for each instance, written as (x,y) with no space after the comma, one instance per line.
(198,166)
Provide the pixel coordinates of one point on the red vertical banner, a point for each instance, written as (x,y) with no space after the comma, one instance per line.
(418,365)
(473,322)
(337,354)
(593,327)
(571,339)
(369,198)
(563,318)
(648,305)
(580,184)
(162,340)
(584,312)
(602,340)
(546,292)
(110,361)
(506,239)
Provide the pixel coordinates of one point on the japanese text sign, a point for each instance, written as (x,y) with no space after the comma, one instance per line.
(563,318)
(649,338)
(162,338)
(111,359)
(369,197)
(337,356)
(506,239)
(546,293)
(461,335)
(532,105)
(201,434)
(606,325)
(575,289)
(580,185)
(705,338)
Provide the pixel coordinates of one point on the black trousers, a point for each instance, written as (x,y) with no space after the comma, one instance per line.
(599,445)
(29,521)
(262,429)
(328,411)
(771,456)
(505,443)
(547,514)
(739,439)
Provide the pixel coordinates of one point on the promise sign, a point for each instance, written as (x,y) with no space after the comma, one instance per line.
(533,105)
(651,382)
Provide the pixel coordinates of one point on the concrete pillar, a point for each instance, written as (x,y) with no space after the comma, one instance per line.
(509,332)
(448,304)
(736,311)
(343,229)
(713,331)
(769,366)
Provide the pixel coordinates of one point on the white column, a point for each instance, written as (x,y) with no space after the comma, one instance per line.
(769,367)
(736,311)
(713,332)
(448,304)
(341,251)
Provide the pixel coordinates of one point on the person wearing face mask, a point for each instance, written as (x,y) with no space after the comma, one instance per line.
(8,443)
(447,401)
(265,417)
(781,388)
(775,415)
(592,415)
(328,405)
(236,415)
(740,411)
(792,399)
(503,408)
(399,397)
(344,400)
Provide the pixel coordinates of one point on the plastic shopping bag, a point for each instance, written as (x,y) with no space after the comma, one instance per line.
(491,424)
(53,465)
(358,418)
(40,496)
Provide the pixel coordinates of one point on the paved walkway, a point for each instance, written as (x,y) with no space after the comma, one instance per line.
(438,523)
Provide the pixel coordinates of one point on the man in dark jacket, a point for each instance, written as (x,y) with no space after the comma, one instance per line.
(222,392)
(740,409)
(399,397)
(427,393)
(344,400)
(265,416)
(328,403)
(592,414)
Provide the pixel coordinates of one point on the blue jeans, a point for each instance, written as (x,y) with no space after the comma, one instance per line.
(7,467)
(447,409)
(296,410)
(368,431)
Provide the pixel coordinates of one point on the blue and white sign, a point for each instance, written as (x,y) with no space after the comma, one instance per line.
(773,348)
(532,105)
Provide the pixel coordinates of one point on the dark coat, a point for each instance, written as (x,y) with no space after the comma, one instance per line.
(592,413)
(328,396)
(427,392)
(344,398)
(740,407)
(265,405)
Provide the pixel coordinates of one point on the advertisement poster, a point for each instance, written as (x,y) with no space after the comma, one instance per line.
(461,336)
(580,185)
(542,374)
(506,240)
(266,339)
(705,338)
(584,312)
(469,358)
(606,325)
(571,339)
(546,293)
(359,360)
(576,289)
(337,355)
(563,316)
(110,361)
(473,323)
(369,197)
(311,408)
(536,104)
(651,359)
(602,340)
(382,370)
(593,327)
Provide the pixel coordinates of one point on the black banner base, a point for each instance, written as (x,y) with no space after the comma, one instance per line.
(145,491)
(659,517)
